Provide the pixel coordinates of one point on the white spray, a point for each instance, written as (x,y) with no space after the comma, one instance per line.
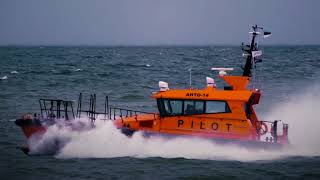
(302,113)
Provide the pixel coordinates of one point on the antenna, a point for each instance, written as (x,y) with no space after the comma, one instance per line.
(190,77)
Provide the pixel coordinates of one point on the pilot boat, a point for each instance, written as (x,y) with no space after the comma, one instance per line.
(224,115)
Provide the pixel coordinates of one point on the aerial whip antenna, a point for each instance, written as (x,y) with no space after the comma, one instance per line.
(190,77)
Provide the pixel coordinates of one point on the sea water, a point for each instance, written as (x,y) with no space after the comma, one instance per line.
(289,78)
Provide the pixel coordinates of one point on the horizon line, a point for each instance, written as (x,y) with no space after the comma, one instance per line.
(145,45)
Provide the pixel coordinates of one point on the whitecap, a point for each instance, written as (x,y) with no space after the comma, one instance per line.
(14,72)
(4,77)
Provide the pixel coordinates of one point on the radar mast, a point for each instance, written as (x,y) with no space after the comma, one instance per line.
(251,51)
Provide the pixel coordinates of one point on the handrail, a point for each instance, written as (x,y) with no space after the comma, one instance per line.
(272,122)
(109,112)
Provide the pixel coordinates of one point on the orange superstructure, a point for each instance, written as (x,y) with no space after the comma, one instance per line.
(209,112)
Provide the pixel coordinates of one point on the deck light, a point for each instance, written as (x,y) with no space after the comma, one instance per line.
(210,82)
(163,86)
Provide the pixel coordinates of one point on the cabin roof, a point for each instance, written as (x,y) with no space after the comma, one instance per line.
(205,94)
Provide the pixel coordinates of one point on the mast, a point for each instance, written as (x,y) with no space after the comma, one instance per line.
(251,51)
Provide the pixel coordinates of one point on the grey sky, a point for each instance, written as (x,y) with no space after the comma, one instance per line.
(154,22)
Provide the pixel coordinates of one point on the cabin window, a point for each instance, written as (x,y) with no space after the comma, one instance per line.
(173,107)
(217,107)
(193,107)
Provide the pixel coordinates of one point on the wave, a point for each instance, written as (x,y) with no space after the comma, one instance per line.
(93,57)
(77,70)
(131,97)
(4,78)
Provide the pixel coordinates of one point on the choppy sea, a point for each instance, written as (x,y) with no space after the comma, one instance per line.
(289,78)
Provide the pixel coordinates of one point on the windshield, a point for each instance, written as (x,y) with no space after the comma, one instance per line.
(172,107)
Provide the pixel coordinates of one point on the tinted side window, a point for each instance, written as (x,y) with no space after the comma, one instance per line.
(172,107)
(176,107)
(217,107)
(161,107)
(167,107)
(193,107)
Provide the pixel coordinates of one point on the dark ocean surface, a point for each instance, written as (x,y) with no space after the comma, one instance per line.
(289,77)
